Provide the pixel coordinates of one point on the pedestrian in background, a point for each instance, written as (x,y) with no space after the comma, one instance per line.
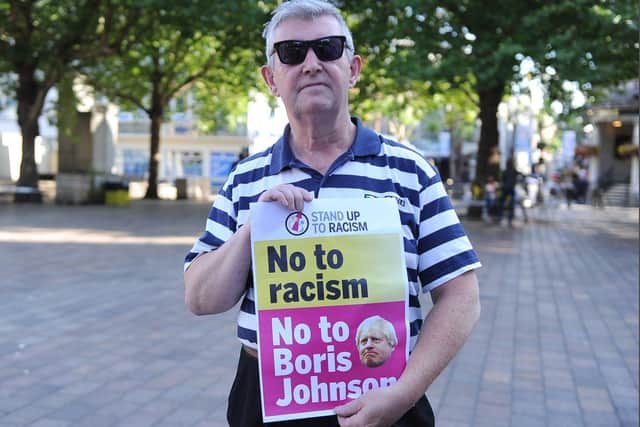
(243,154)
(490,191)
(568,184)
(508,182)
(326,153)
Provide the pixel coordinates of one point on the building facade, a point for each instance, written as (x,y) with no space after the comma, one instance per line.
(614,160)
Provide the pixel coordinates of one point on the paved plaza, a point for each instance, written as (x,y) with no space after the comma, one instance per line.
(94,331)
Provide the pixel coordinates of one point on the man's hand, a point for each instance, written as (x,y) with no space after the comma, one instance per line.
(289,196)
(455,310)
(216,280)
(379,407)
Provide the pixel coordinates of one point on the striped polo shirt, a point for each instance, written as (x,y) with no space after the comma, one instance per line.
(435,245)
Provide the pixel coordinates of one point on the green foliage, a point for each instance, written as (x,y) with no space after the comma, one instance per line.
(420,56)
(54,37)
(192,47)
(41,42)
(222,98)
(478,47)
(66,117)
(186,47)
(393,84)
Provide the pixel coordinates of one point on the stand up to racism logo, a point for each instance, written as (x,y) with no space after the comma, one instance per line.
(297,223)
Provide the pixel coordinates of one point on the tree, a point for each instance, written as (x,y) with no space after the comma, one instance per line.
(40,43)
(385,92)
(199,42)
(483,43)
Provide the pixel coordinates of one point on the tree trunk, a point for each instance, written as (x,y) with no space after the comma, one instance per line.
(456,149)
(156,116)
(488,158)
(28,113)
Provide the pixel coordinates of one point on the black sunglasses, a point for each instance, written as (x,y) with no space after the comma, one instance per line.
(294,52)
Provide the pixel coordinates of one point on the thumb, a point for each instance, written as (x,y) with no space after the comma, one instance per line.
(348,409)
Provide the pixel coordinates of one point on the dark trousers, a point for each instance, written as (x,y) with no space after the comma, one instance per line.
(508,196)
(244,408)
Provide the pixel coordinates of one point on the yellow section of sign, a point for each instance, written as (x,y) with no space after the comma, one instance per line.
(329,271)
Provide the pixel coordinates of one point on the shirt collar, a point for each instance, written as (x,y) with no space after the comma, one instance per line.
(366,143)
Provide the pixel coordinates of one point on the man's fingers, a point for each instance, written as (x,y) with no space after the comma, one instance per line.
(280,194)
(302,196)
(348,409)
(289,196)
(348,413)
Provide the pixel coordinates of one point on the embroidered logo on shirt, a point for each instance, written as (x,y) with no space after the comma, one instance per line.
(401,202)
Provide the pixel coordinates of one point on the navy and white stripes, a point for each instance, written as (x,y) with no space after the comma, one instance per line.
(436,247)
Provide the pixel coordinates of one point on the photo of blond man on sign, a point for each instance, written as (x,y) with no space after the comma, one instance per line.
(376,339)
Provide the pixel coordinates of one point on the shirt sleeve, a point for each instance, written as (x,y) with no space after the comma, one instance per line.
(444,250)
(220,226)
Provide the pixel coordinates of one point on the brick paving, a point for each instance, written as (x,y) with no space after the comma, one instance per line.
(94,332)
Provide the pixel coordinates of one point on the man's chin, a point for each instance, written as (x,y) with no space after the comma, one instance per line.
(372,363)
(315,106)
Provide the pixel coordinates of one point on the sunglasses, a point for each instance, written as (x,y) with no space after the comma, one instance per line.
(294,52)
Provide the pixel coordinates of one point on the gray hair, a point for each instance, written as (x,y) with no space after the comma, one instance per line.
(381,324)
(304,9)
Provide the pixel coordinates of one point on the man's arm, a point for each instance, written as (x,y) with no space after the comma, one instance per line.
(455,311)
(215,281)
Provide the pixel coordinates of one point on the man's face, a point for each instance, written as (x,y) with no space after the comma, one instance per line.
(314,86)
(374,348)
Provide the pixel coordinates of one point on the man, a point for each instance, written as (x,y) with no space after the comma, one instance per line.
(324,153)
(509,180)
(376,339)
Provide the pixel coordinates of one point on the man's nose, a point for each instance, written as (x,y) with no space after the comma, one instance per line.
(311,62)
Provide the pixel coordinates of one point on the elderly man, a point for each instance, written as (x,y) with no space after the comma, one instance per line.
(326,153)
(376,339)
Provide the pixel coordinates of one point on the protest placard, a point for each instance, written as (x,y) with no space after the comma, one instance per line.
(331,301)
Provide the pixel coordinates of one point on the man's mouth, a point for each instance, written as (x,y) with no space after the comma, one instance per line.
(312,85)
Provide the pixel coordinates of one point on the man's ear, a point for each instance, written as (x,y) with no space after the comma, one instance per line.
(267,75)
(356,67)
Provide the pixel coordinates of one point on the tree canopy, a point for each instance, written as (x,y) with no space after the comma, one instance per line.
(419,55)
(209,44)
(478,47)
(41,42)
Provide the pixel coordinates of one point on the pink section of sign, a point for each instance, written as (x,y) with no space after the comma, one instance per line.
(310,361)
